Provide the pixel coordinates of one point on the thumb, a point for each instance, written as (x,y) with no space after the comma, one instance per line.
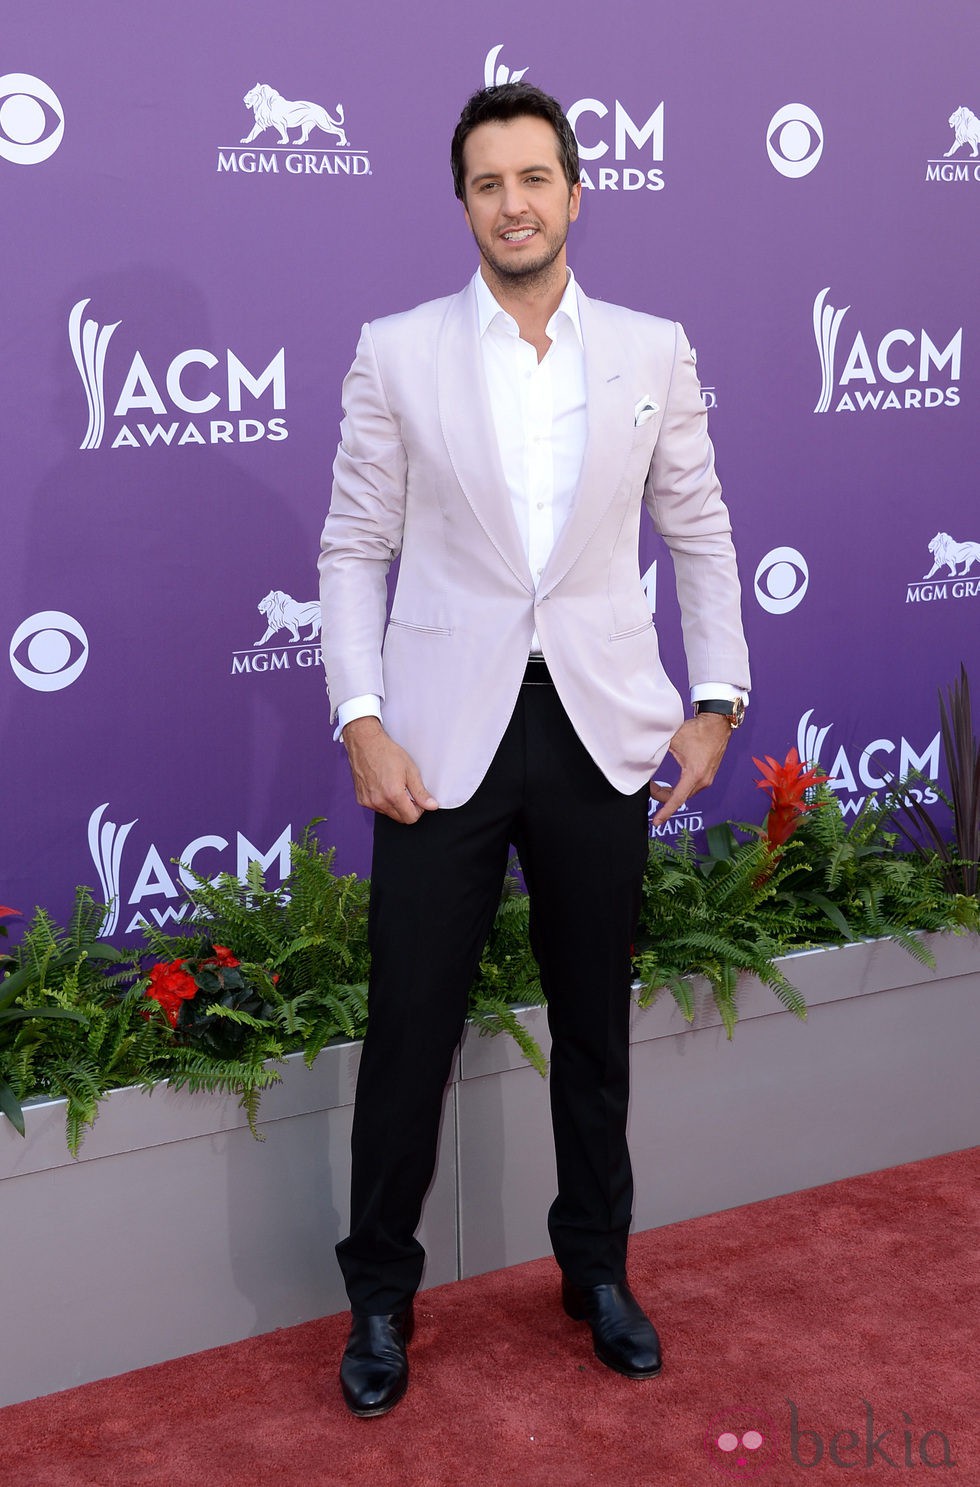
(418,792)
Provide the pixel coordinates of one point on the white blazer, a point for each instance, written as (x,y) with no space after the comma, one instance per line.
(418,473)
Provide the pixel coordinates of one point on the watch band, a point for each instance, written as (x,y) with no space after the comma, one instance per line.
(731,708)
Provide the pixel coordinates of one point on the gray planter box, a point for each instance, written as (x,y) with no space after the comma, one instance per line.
(176,1231)
(883,1071)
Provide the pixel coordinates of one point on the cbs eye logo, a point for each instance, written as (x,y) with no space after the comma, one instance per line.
(794,140)
(781,580)
(32,121)
(48,651)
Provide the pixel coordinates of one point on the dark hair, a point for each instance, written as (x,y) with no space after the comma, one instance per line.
(514,101)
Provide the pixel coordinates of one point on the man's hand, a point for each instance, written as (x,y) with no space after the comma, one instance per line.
(385,777)
(698,746)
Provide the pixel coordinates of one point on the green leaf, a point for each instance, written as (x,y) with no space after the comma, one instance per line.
(11,1108)
(833,913)
(44,1014)
(14,984)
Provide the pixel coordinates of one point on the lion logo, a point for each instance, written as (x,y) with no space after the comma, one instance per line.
(966,130)
(946,552)
(271,111)
(284,613)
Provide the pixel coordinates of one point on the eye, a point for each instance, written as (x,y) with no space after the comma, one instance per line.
(781,580)
(32,121)
(794,140)
(48,651)
(751,1440)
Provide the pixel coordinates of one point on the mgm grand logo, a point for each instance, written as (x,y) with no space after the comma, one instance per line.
(966,136)
(950,576)
(319,148)
(298,620)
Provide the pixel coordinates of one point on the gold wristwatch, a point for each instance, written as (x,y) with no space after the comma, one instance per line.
(731,708)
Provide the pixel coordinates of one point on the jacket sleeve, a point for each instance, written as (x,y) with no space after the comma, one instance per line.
(683,496)
(362,533)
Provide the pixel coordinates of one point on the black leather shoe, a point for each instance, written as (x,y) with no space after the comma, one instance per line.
(374,1368)
(624,1337)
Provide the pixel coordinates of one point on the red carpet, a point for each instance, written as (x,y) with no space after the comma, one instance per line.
(856,1304)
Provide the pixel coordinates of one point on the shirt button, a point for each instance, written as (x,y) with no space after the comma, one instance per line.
(540,505)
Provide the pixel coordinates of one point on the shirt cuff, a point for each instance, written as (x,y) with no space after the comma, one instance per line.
(366,706)
(723,691)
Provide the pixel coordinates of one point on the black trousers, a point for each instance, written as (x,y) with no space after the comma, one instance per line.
(434,890)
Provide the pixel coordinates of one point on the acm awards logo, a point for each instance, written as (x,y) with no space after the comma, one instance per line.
(196,382)
(957,558)
(966,136)
(900,369)
(605,132)
(285,151)
(154,891)
(300,622)
(857,774)
(32,120)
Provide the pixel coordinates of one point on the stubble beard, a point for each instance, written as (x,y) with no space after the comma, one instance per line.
(525,274)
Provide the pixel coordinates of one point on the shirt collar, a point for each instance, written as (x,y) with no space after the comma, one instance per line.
(488,310)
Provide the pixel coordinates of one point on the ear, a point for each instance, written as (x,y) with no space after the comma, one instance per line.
(466,216)
(574,201)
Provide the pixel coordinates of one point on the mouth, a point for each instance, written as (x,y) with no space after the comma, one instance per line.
(518,234)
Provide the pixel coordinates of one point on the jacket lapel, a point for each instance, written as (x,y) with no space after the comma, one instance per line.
(471,439)
(609,440)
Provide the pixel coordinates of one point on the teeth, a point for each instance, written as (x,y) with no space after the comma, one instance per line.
(520,236)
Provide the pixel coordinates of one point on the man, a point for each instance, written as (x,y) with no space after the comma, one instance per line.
(504,441)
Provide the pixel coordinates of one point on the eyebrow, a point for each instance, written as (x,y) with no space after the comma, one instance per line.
(492,175)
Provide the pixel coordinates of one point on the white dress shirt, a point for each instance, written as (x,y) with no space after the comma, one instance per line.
(540,418)
(539,414)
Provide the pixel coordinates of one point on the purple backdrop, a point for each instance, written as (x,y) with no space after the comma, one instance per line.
(179,307)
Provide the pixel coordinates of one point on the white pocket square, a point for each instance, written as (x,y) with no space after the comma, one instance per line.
(644,409)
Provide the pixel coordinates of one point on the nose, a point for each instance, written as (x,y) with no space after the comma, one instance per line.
(514,203)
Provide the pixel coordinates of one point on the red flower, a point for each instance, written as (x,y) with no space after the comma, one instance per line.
(222,957)
(787,784)
(5,912)
(170,985)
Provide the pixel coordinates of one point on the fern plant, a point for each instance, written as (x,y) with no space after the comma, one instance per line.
(713,917)
(743,904)
(311,932)
(67,1027)
(848,882)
